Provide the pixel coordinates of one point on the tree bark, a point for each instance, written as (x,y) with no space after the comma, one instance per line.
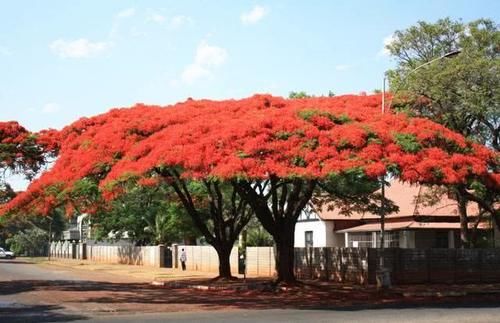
(285,255)
(464,223)
(228,214)
(224,253)
(278,210)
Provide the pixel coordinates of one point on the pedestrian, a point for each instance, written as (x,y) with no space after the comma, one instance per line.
(183,259)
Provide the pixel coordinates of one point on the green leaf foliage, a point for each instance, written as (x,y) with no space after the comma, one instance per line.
(407,142)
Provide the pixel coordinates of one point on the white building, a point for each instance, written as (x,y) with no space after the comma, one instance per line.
(416,225)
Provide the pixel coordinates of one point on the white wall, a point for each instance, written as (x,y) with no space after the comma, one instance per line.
(205,258)
(319,233)
(323,234)
(260,262)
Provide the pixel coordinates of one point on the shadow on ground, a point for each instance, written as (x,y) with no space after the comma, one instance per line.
(35,313)
(16,262)
(306,297)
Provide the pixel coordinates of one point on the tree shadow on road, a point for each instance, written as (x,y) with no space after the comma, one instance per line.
(16,262)
(152,298)
(36,313)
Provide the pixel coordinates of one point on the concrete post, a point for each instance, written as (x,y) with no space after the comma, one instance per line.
(160,256)
(83,250)
(73,250)
(175,256)
(451,239)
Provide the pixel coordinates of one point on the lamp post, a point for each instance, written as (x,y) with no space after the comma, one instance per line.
(50,236)
(447,55)
(383,276)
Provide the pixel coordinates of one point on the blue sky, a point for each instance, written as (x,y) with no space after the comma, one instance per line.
(60,60)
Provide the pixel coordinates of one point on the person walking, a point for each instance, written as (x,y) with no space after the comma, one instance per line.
(183,259)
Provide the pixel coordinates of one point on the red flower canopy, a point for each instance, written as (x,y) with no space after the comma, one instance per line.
(259,136)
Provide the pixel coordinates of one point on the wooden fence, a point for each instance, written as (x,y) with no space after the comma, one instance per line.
(451,266)
(407,266)
(335,264)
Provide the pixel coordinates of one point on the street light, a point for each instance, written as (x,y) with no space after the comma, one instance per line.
(50,235)
(447,55)
(383,279)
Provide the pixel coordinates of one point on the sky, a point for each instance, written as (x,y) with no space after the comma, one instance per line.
(61,60)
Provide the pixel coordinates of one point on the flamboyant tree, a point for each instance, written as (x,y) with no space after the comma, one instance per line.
(23,152)
(272,152)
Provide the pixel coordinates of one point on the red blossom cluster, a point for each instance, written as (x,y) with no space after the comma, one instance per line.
(21,151)
(12,138)
(257,137)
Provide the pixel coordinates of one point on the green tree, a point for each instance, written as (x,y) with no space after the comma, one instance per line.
(141,213)
(298,95)
(14,223)
(30,242)
(461,93)
(6,192)
(304,94)
(257,236)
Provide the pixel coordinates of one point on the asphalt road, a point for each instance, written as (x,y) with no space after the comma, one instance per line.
(468,315)
(27,294)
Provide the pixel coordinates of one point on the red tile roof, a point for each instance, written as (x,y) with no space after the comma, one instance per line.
(410,225)
(405,195)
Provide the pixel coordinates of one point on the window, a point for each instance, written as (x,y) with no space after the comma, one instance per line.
(365,239)
(308,239)
(360,240)
(391,239)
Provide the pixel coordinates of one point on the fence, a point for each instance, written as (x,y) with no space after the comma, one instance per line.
(260,262)
(203,258)
(356,265)
(129,255)
(407,266)
(125,254)
(335,264)
(416,266)
(63,249)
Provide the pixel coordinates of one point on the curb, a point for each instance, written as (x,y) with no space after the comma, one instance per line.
(175,285)
(451,293)
(437,294)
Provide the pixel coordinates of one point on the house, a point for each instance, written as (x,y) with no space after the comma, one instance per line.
(415,225)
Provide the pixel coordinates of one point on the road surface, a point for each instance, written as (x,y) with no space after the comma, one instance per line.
(42,293)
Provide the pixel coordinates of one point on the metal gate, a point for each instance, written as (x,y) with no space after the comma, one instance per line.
(167,257)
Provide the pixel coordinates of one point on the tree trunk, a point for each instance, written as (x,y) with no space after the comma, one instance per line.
(278,212)
(285,254)
(224,253)
(464,223)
